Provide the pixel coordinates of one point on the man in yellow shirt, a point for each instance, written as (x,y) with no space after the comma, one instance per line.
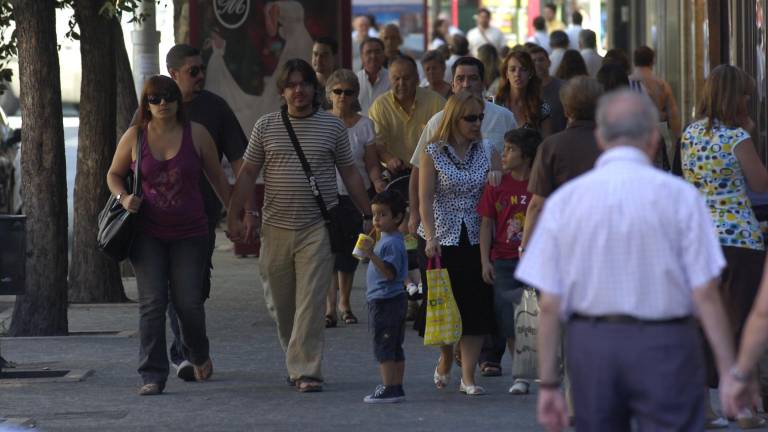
(550,15)
(400,114)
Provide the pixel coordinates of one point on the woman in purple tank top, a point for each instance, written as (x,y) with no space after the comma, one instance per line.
(169,252)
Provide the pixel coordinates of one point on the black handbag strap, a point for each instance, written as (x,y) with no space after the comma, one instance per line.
(137,175)
(305,165)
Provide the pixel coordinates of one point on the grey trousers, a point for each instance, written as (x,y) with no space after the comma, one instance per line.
(653,373)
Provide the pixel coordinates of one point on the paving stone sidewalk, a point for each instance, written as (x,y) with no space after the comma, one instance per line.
(248,390)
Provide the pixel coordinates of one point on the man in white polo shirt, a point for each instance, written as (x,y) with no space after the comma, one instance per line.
(623,255)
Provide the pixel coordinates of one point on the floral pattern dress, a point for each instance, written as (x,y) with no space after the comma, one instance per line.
(710,164)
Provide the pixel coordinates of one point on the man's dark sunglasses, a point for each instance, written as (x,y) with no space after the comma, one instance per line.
(347,92)
(194,71)
(473,117)
(157,99)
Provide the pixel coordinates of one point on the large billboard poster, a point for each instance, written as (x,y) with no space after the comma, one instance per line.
(245,42)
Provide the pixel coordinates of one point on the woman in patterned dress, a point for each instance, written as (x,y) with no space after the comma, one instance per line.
(453,170)
(520,92)
(719,158)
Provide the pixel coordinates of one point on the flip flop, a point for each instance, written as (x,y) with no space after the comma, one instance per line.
(308,385)
(330,321)
(490,369)
(348,317)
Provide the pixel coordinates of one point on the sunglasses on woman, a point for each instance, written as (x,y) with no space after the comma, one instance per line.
(474,117)
(347,92)
(158,99)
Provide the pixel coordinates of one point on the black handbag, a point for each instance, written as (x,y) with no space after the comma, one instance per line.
(331,216)
(116,224)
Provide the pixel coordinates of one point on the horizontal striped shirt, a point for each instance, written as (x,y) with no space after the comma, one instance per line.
(288,199)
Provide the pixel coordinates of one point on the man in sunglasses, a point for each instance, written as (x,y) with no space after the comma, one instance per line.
(185,65)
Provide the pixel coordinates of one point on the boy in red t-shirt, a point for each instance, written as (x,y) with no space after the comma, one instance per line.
(503,209)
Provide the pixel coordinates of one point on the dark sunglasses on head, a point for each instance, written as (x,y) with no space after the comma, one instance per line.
(157,99)
(194,71)
(473,117)
(345,92)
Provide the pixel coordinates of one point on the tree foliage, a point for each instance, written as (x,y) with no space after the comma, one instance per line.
(8,42)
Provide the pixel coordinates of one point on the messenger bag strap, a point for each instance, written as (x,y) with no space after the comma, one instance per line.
(137,176)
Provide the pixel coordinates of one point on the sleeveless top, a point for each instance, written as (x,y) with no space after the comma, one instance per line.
(458,187)
(172,206)
(710,164)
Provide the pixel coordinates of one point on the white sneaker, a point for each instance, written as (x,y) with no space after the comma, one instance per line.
(471,390)
(185,370)
(412,288)
(519,387)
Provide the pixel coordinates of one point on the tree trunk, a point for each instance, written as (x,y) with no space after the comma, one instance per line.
(94,277)
(127,102)
(42,311)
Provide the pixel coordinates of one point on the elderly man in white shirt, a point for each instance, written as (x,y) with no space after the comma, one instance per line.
(625,255)
(468,76)
(373,77)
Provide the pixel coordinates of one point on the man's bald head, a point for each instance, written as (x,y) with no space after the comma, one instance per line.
(629,118)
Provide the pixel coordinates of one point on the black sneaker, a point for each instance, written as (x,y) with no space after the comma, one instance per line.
(386,394)
(185,370)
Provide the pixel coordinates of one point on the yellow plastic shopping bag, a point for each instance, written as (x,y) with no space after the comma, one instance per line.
(443,326)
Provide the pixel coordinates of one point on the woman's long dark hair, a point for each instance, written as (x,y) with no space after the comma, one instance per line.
(531,93)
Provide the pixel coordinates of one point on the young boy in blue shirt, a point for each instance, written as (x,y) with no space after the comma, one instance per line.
(387,298)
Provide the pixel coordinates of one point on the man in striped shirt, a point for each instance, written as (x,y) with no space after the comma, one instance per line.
(296,260)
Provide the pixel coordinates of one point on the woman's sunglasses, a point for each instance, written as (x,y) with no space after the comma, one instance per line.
(158,99)
(473,117)
(339,92)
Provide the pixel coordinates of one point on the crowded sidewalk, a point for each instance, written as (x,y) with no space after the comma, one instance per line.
(248,390)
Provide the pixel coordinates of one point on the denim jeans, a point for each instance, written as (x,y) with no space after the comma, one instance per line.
(177,351)
(178,266)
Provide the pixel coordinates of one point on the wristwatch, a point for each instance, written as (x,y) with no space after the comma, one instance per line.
(520,250)
(120,197)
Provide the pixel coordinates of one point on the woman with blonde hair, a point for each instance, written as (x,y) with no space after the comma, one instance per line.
(719,158)
(452,172)
(520,92)
(343,89)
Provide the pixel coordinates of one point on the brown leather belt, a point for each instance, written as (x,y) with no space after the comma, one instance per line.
(628,319)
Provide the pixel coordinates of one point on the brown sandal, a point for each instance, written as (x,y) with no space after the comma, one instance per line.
(151,389)
(204,371)
(308,385)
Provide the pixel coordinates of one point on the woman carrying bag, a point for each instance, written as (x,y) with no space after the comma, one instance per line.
(170,245)
(453,170)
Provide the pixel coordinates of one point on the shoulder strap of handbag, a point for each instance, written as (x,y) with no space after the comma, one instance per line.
(137,177)
(305,165)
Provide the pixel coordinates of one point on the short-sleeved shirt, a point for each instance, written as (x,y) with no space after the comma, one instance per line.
(563,156)
(369,92)
(710,164)
(391,249)
(551,95)
(624,238)
(506,204)
(361,135)
(498,120)
(288,199)
(396,130)
(214,113)
(458,187)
